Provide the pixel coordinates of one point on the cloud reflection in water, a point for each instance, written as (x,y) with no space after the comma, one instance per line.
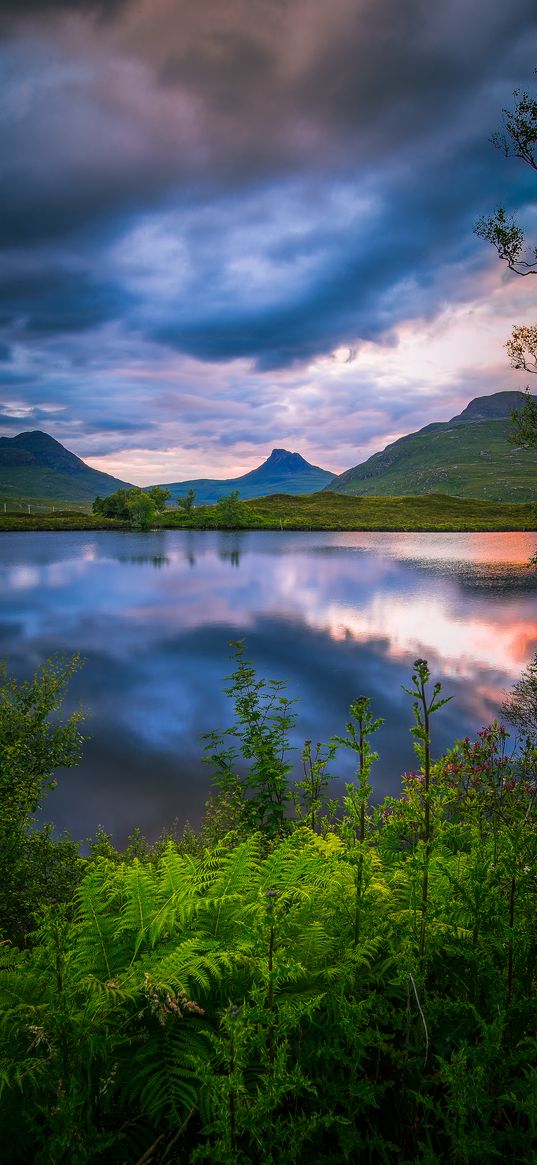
(332,614)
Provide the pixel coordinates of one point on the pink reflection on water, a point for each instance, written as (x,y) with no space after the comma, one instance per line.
(510,549)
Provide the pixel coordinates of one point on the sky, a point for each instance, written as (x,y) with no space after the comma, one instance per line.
(229,225)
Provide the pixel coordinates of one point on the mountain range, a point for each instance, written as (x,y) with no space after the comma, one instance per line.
(467,456)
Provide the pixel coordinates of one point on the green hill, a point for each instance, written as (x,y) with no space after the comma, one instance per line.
(34,465)
(282,472)
(469,456)
(331,511)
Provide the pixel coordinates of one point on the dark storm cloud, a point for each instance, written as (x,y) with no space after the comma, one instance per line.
(16,13)
(372,86)
(51,301)
(254,179)
(239,92)
(364,72)
(402,261)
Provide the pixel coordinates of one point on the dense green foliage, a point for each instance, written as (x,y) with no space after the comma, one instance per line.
(34,743)
(186,501)
(138,507)
(303,981)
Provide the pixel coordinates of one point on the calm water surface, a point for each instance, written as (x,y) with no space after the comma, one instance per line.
(335,615)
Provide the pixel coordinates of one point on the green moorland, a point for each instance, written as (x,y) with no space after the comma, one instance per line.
(59,519)
(21,504)
(322,511)
(330,511)
(472,460)
(302,981)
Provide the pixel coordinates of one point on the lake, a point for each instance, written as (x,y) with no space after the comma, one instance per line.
(334,615)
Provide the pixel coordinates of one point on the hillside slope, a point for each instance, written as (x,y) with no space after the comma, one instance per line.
(35,465)
(469,456)
(282,472)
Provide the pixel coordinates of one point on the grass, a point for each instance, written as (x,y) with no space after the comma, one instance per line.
(322,511)
(20,504)
(331,511)
(475,460)
(61,520)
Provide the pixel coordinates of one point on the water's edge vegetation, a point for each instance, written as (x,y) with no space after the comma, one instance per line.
(303,980)
(322,511)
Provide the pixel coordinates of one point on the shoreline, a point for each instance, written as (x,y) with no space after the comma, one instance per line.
(45,526)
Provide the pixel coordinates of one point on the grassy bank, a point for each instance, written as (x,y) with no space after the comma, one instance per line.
(322,511)
(330,511)
(62,520)
(17,504)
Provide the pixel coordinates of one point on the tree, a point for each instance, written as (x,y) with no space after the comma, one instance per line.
(522,347)
(520,707)
(140,508)
(159,496)
(508,237)
(518,139)
(113,506)
(137,506)
(229,509)
(524,431)
(522,350)
(187,501)
(34,743)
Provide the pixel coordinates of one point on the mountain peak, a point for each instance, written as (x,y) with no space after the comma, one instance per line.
(497,404)
(40,449)
(469,456)
(36,464)
(282,472)
(283,458)
(35,437)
